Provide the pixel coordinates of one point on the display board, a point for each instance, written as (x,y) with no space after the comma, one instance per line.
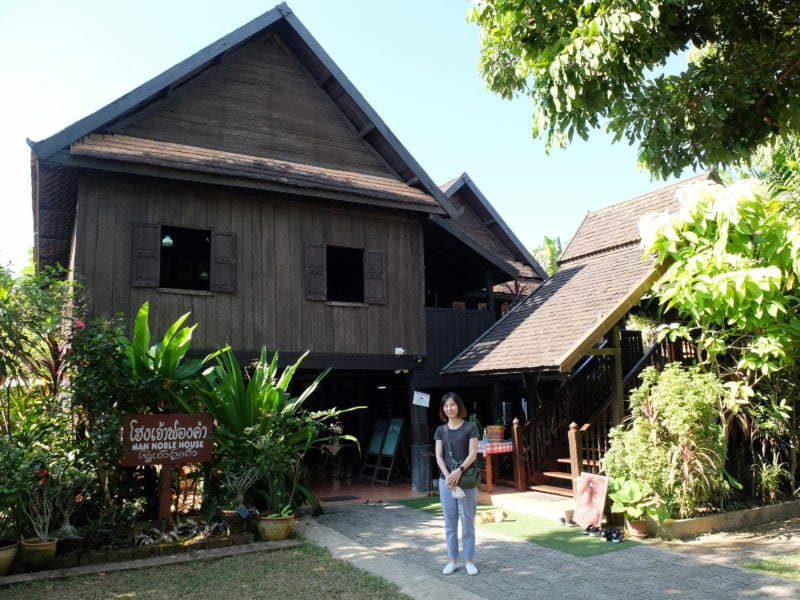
(384,446)
(376,442)
(590,499)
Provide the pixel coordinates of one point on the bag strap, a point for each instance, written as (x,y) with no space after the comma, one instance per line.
(449,447)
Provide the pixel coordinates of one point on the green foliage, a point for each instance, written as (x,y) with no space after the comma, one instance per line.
(266,432)
(673,440)
(163,375)
(611,63)
(633,498)
(33,314)
(547,254)
(101,383)
(733,253)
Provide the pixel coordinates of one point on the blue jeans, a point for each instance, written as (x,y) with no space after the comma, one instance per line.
(450,509)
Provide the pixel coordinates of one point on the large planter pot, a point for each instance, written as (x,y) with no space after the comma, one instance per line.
(272,529)
(637,529)
(36,554)
(8,552)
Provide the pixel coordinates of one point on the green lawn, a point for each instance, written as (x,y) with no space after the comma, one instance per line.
(783,565)
(305,571)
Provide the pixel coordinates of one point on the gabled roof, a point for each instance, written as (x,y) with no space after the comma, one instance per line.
(480,226)
(87,143)
(602,275)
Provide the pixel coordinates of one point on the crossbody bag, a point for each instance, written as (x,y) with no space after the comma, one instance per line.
(470,477)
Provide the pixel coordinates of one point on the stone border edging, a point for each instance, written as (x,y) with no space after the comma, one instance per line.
(729,521)
(156,561)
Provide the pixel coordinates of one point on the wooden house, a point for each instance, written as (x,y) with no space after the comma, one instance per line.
(568,344)
(253,186)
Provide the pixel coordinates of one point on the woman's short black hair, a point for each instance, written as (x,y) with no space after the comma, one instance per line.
(462,409)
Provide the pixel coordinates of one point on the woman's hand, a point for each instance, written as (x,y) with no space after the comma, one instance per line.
(453,478)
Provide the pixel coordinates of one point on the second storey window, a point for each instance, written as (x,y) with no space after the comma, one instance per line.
(345,274)
(183,258)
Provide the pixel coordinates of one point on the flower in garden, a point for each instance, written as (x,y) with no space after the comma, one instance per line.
(79,324)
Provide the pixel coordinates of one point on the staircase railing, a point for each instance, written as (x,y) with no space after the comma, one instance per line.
(589,442)
(543,434)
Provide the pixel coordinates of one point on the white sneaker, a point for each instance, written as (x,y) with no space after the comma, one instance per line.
(449,568)
(471,568)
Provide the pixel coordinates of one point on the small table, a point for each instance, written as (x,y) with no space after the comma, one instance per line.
(488,449)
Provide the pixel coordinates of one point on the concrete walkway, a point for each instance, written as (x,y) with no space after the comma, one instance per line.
(406,546)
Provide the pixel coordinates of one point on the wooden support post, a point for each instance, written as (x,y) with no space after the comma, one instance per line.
(618,406)
(520,474)
(575,457)
(165,496)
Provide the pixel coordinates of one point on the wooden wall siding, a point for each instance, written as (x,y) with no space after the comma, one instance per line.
(448,332)
(269,306)
(260,102)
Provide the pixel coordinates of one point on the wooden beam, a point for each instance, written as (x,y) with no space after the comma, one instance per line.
(611,351)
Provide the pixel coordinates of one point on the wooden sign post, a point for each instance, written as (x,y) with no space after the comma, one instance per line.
(168,439)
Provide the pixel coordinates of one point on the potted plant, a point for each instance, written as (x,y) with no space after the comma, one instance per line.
(263,429)
(634,499)
(10,457)
(37,501)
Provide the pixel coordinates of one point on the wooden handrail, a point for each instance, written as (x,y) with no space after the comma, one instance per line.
(589,443)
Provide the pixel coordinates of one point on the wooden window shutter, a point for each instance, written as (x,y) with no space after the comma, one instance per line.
(375,277)
(145,268)
(316,279)
(223,259)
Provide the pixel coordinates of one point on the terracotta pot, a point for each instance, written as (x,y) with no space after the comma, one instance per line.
(636,529)
(8,552)
(36,554)
(272,529)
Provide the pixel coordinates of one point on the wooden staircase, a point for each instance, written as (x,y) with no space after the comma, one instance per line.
(552,447)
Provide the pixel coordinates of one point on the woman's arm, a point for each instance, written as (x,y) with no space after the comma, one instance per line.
(473,453)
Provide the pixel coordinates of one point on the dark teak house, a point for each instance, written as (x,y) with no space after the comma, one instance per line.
(253,186)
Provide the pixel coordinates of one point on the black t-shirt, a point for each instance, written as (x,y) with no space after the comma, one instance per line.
(459,440)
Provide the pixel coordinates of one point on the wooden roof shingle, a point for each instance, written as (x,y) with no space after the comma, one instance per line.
(602,275)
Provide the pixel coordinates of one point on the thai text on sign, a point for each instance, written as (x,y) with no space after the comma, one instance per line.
(167,439)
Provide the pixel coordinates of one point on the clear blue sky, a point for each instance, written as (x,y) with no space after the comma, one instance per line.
(414,61)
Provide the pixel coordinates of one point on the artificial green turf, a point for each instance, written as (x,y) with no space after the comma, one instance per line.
(534,529)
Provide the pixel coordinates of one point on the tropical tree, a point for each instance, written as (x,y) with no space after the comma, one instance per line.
(593,63)
(734,254)
(547,253)
(34,326)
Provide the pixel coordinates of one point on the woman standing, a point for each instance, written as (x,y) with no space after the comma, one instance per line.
(463,439)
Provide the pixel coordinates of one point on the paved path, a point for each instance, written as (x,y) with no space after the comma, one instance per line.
(406,546)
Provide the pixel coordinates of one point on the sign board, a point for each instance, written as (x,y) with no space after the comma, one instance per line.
(392,437)
(421,399)
(166,439)
(376,442)
(590,499)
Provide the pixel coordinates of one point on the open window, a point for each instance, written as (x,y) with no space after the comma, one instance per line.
(345,274)
(183,258)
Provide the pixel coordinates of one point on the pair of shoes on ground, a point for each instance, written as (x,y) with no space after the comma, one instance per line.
(567,522)
(450,567)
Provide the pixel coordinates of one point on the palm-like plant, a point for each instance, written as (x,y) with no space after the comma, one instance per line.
(162,373)
(261,426)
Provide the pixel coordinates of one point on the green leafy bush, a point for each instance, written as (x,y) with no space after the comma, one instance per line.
(673,439)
